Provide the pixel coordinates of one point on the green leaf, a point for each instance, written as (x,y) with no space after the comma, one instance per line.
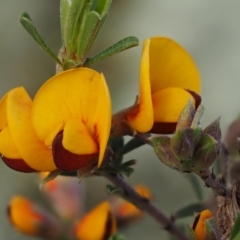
(197,187)
(52,175)
(211,229)
(205,153)
(118,47)
(235,235)
(102,6)
(191,233)
(114,190)
(119,169)
(27,23)
(197,116)
(64,14)
(186,117)
(182,144)
(163,150)
(91,24)
(129,146)
(74,22)
(213,130)
(188,210)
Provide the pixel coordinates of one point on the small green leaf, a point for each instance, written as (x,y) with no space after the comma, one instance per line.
(130,146)
(186,117)
(120,169)
(191,233)
(129,163)
(197,116)
(211,229)
(64,14)
(114,49)
(213,130)
(188,210)
(91,24)
(197,187)
(74,23)
(205,153)
(102,6)
(182,144)
(52,175)
(235,235)
(163,150)
(114,190)
(27,23)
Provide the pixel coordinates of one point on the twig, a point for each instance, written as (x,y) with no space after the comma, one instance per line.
(144,204)
(210,180)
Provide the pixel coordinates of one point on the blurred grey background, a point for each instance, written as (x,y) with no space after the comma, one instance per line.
(209,30)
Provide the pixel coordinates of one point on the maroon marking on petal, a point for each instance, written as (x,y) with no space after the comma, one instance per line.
(163,128)
(17,165)
(168,128)
(67,161)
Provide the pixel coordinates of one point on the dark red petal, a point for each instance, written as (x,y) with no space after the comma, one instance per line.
(163,128)
(18,165)
(168,128)
(67,161)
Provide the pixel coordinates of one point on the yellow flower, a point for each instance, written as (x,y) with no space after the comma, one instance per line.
(199,224)
(29,219)
(168,79)
(66,126)
(98,224)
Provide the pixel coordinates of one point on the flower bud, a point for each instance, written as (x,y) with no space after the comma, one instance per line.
(161,145)
(98,224)
(182,144)
(205,153)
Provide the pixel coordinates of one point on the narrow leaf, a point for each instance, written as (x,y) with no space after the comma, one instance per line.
(90,28)
(188,210)
(130,146)
(74,22)
(118,47)
(102,6)
(27,23)
(64,13)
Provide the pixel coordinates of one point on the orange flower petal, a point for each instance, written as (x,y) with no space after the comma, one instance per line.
(169,103)
(140,118)
(7,145)
(98,224)
(77,139)
(170,65)
(31,149)
(23,216)
(80,94)
(199,224)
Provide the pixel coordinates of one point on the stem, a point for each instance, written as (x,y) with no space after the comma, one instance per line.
(210,180)
(144,204)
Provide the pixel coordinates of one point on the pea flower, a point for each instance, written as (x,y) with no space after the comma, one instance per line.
(199,224)
(66,126)
(29,219)
(168,79)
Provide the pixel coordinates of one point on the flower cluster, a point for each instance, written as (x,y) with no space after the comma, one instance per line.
(69,221)
(68,123)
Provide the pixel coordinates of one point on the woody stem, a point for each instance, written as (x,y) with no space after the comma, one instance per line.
(145,205)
